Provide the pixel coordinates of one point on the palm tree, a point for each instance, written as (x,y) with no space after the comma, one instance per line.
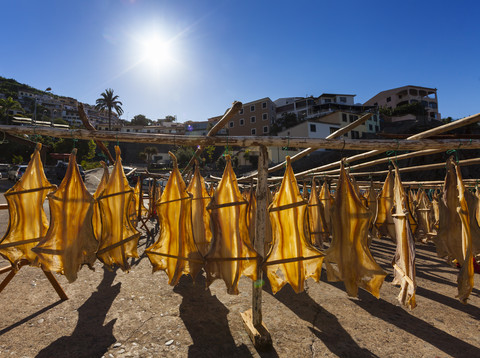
(107,102)
(7,105)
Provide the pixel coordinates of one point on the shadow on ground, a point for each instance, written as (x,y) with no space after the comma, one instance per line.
(205,318)
(324,325)
(91,338)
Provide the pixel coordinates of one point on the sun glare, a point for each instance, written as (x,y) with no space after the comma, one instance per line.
(156,52)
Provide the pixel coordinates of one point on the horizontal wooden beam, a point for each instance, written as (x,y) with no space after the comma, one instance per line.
(247,141)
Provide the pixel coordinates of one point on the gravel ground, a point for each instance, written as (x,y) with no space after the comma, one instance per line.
(137,314)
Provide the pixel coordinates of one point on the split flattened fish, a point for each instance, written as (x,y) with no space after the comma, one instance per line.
(175,251)
(423,210)
(292,259)
(251,212)
(348,259)
(137,208)
(316,219)
(231,253)
(202,233)
(326,203)
(27,221)
(119,238)
(384,220)
(70,240)
(97,219)
(448,241)
(404,260)
(465,276)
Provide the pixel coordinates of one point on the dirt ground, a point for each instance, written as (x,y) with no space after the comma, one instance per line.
(137,314)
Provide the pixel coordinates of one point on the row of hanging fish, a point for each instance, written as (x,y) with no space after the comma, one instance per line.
(215,232)
(83,227)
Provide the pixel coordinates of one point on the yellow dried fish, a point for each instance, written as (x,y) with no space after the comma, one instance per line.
(136,209)
(404,260)
(202,233)
(348,259)
(251,212)
(28,221)
(119,239)
(70,241)
(424,211)
(384,220)
(292,259)
(465,276)
(448,241)
(97,219)
(175,251)
(316,220)
(231,253)
(326,203)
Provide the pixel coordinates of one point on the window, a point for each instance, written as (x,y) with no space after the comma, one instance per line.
(241,121)
(265,129)
(355,135)
(343,99)
(351,118)
(252,119)
(252,108)
(370,127)
(230,124)
(265,116)
(264,105)
(253,131)
(333,130)
(389,99)
(377,129)
(241,111)
(328,100)
(313,127)
(344,117)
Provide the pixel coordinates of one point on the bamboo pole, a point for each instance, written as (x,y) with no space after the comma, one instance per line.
(387,159)
(462,163)
(428,133)
(236,106)
(246,141)
(307,151)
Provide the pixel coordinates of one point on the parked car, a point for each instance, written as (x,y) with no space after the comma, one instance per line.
(61,170)
(4,170)
(16,171)
(12,172)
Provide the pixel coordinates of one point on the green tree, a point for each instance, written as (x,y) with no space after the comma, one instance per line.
(7,105)
(183,155)
(140,120)
(150,152)
(108,102)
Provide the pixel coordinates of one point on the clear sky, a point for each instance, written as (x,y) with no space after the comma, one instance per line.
(194,58)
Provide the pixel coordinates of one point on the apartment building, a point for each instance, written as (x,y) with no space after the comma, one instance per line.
(396,97)
(254,118)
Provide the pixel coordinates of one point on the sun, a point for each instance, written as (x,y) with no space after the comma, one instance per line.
(156,52)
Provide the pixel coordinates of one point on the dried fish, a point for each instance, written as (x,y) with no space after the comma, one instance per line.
(202,233)
(119,239)
(384,220)
(292,259)
(28,221)
(175,251)
(231,253)
(348,259)
(404,260)
(70,240)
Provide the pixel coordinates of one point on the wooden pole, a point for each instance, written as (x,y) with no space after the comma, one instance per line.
(247,141)
(252,318)
(236,106)
(307,151)
(88,125)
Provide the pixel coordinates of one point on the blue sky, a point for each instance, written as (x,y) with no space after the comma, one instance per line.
(194,58)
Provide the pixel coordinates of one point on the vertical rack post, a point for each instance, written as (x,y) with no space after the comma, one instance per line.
(252,318)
